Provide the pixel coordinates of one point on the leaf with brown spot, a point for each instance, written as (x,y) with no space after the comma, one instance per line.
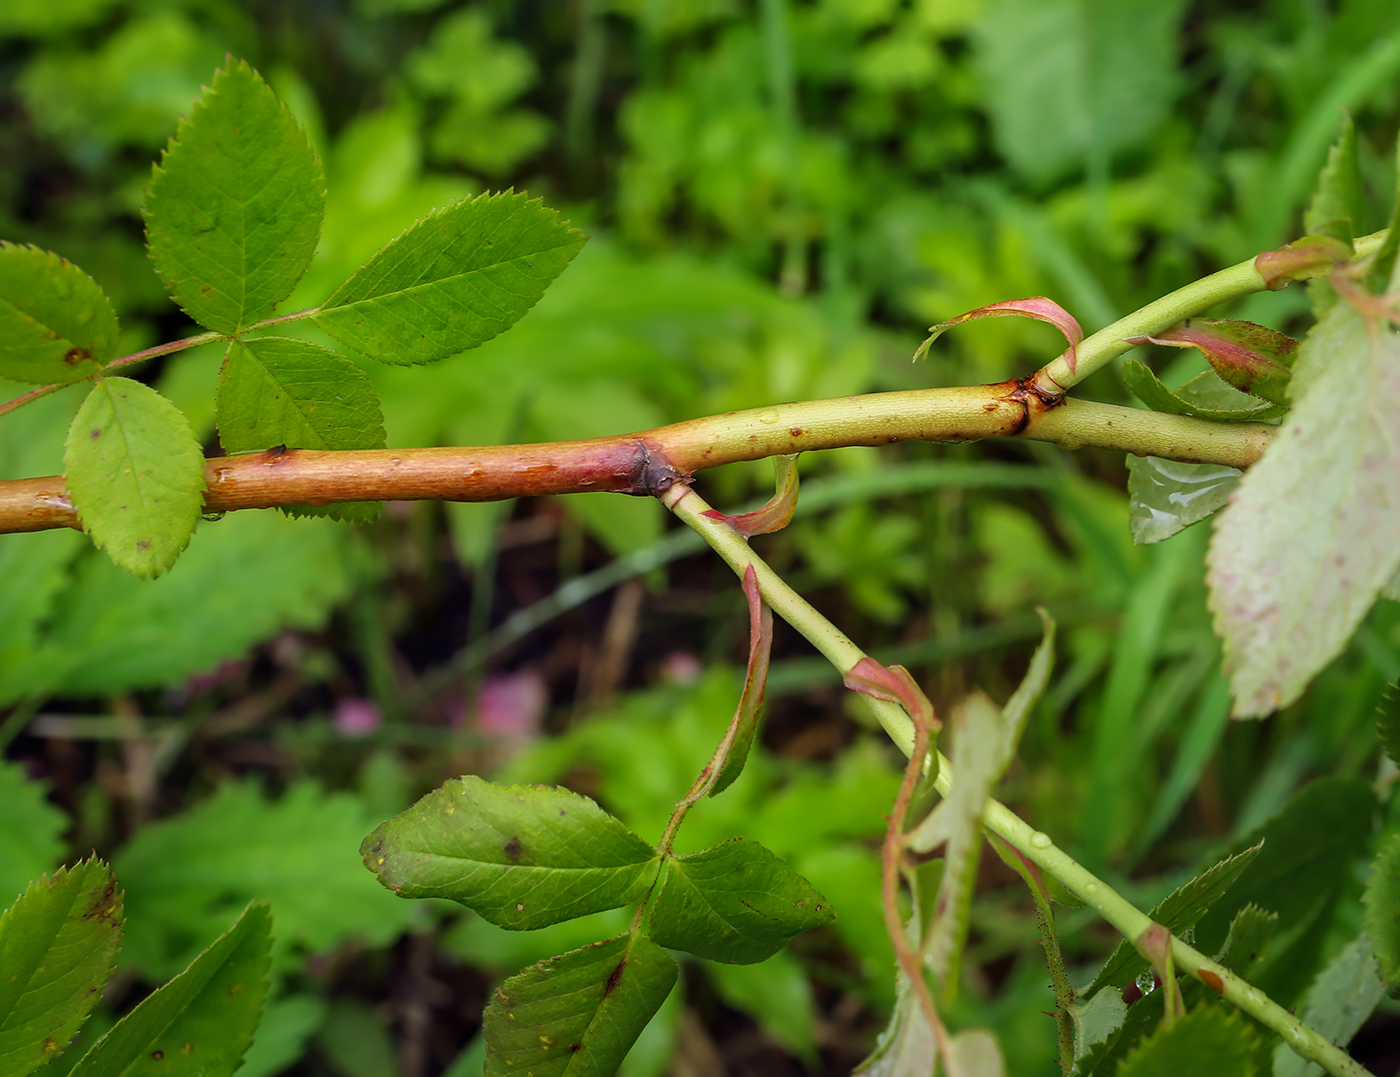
(213,1008)
(58,946)
(576,1015)
(510,853)
(734,902)
(56,323)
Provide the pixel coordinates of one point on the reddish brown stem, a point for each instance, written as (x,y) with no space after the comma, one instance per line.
(650,461)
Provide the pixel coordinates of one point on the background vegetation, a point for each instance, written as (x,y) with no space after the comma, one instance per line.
(781,196)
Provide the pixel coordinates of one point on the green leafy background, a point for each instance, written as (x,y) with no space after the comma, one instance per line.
(780,198)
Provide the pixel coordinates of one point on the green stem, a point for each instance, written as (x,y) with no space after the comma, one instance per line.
(1111,341)
(1000,820)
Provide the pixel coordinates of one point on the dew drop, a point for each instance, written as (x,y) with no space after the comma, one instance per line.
(1040,840)
(768,415)
(1146,982)
(1091,888)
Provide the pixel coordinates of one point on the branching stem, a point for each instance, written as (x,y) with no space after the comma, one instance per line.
(1111,341)
(1000,820)
(646,462)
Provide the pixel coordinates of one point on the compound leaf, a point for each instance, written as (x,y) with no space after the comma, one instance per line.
(452,281)
(135,474)
(58,945)
(235,205)
(1178,911)
(56,324)
(282,391)
(1308,540)
(200,1023)
(734,902)
(1209,1039)
(521,856)
(1382,900)
(577,1014)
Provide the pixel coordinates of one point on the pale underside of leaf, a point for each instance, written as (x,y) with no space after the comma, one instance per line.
(1309,538)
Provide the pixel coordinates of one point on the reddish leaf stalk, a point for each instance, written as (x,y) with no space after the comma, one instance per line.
(729,758)
(892,856)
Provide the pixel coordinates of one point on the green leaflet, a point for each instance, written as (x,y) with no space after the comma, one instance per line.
(1338,207)
(58,945)
(135,474)
(1382,900)
(1339,1002)
(1205,396)
(1250,933)
(734,902)
(1311,848)
(453,280)
(201,1022)
(187,874)
(521,856)
(1167,496)
(56,323)
(577,1014)
(1308,540)
(30,831)
(235,205)
(1209,1039)
(283,391)
(1178,911)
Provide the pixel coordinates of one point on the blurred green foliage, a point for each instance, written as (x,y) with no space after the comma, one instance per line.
(781,195)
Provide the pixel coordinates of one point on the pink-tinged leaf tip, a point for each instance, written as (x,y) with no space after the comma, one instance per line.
(893,684)
(776,513)
(1038,307)
(1252,358)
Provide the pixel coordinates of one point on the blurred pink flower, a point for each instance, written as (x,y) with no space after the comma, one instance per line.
(511,706)
(681,667)
(356,717)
